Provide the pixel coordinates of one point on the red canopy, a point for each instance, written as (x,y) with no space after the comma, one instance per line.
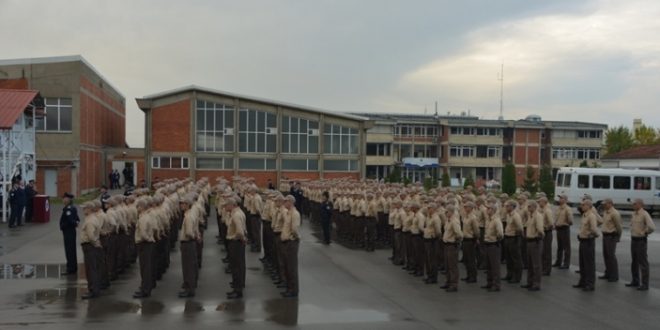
(13,102)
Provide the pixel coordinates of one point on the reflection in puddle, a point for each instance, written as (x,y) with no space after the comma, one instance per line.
(36,271)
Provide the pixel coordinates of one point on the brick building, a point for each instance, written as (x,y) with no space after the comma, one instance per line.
(85,115)
(197,132)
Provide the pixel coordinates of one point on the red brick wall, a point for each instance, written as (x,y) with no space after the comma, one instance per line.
(171,127)
(20,83)
(521,173)
(338,175)
(260,177)
(292,175)
(102,95)
(40,178)
(169,174)
(141,170)
(90,174)
(99,125)
(528,135)
(64,181)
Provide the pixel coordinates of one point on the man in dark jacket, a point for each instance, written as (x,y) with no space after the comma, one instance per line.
(17,204)
(326,216)
(30,192)
(68,223)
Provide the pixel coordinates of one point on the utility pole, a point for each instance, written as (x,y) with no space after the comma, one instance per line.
(501,79)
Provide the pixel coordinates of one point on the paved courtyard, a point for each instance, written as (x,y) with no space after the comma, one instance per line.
(341,288)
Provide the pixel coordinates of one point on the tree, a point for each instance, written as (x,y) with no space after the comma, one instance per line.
(509,179)
(584,163)
(645,135)
(618,139)
(468,182)
(430,183)
(446,182)
(395,175)
(547,183)
(530,184)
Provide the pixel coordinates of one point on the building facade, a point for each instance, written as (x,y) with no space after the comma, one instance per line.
(84,115)
(199,132)
(421,146)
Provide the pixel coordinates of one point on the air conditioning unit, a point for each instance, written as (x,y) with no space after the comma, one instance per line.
(228,131)
(271,130)
(313,132)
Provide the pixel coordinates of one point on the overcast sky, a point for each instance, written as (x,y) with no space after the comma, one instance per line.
(596,61)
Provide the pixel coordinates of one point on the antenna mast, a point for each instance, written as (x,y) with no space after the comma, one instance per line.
(501,79)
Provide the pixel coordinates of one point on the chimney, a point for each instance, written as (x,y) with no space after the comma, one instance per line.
(637,123)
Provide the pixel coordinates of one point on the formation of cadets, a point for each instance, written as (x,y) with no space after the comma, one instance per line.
(145,226)
(429,230)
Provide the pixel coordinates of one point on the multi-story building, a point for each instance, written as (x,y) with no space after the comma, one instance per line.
(466,146)
(84,115)
(200,132)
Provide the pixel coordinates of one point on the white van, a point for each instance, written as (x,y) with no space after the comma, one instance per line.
(621,185)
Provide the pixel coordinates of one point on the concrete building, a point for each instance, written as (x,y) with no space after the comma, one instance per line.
(85,115)
(465,146)
(200,132)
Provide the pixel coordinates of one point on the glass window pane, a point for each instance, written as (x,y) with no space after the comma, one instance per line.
(185,162)
(303,126)
(336,143)
(327,128)
(229,143)
(285,143)
(303,144)
(251,164)
(242,142)
(313,124)
(327,144)
(209,163)
(165,162)
(261,121)
(243,120)
(285,123)
(51,119)
(642,183)
(353,146)
(229,118)
(219,142)
(176,162)
(271,142)
(65,119)
(313,145)
(200,119)
(65,101)
(201,142)
(252,121)
(200,104)
(271,120)
(229,163)
(261,142)
(583,181)
(601,182)
(294,164)
(313,165)
(344,144)
(353,165)
(210,120)
(622,182)
(219,119)
(336,129)
(335,165)
(271,164)
(294,143)
(252,142)
(294,125)
(155,162)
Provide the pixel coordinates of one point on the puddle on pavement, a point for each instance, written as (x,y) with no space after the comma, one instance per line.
(289,312)
(37,271)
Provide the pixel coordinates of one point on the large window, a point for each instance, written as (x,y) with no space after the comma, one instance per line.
(622,182)
(417,130)
(601,181)
(642,183)
(58,116)
(591,134)
(480,131)
(378,149)
(299,136)
(575,153)
(256,164)
(300,165)
(462,151)
(340,140)
(257,131)
(340,165)
(215,127)
(583,181)
(170,162)
(488,151)
(214,163)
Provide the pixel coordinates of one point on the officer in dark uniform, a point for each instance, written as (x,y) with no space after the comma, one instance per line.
(326,215)
(30,192)
(17,204)
(104,198)
(68,223)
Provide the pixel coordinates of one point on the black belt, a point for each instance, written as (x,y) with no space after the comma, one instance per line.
(492,243)
(585,239)
(548,231)
(415,234)
(535,239)
(430,239)
(642,239)
(450,243)
(291,240)
(611,234)
(468,239)
(512,237)
(562,227)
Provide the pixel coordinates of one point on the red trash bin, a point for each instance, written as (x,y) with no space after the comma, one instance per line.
(41,208)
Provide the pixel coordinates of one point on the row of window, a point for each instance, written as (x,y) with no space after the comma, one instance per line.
(379,149)
(257,132)
(573,134)
(59,114)
(475,131)
(417,150)
(254,164)
(585,181)
(416,130)
(475,151)
(575,153)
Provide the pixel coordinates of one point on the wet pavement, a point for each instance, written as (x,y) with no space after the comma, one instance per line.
(341,288)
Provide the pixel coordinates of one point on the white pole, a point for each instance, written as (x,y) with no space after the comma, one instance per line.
(4,177)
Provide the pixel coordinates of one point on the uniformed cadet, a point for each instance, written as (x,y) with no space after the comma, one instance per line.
(432,231)
(395,216)
(267,230)
(254,209)
(451,238)
(371,222)
(416,232)
(111,230)
(470,242)
(503,198)
(612,230)
(586,237)
(407,246)
(641,225)
(494,232)
(145,232)
(326,215)
(563,224)
(290,242)
(188,235)
(482,214)
(279,212)
(522,210)
(513,234)
(548,226)
(534,238)
(90,241)
(68,224)
(237,238)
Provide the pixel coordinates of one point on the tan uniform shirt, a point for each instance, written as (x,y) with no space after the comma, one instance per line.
(514,226)
(534,226)
(433,228)
(564,216)
(453,232)
(611,222)
(190,226)
(494,230)
(407,221)
(372,208)
(90,231)
(589,226)
(291,225)
(236,226)
(145,230)
(471,225)
(418,221)
(641,224)
(546,213)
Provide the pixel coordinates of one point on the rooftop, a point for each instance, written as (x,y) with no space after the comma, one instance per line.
(640,152)
(13,102)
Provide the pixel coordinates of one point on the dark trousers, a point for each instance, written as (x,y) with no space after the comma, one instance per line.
(189,265)
(440,254)
(513,258)
(534,249)
(523,251)
(493,264)
(267,240)
(70,250)
(16,215)
(91,256)
(255,223)
(431,258)
(451,262)
(325,227)
(609,256)
(279,255)
(407,250)
(546,259)
(291,264)
(418,253)
(587,253)
(563,246)
(470,259)
(29,211)
(145,255)
(371,224)
(237,264)
(397,255)
(109,249)
(640,261)
(482,259)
